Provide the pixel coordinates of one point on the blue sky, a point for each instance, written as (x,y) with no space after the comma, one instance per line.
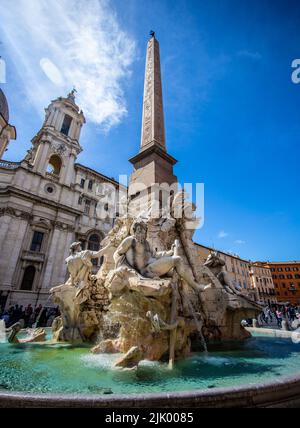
(231,109)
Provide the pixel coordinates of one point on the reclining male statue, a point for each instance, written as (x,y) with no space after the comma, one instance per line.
(135,252)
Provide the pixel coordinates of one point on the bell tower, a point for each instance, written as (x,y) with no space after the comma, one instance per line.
(56,146)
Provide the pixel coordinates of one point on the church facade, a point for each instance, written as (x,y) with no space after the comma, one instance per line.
(48,201)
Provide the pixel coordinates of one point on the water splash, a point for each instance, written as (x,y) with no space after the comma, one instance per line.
(99,361)
(199,324)
(41,311)
(2,332)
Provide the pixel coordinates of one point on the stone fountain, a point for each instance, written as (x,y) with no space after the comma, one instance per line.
(151,297)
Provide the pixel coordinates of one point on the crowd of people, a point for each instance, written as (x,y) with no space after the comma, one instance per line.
(43,316)
(30,317)
(279,313)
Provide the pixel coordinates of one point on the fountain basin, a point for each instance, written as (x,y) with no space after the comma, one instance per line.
(277,394)
(259,372)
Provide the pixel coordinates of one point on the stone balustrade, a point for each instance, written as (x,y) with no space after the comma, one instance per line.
(9,165)
(52,177)
(33,256)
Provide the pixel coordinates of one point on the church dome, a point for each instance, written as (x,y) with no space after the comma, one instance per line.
(4,106)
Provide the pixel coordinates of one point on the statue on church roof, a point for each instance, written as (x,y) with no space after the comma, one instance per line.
(71,95)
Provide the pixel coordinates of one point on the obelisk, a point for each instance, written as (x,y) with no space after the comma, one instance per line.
(152,165)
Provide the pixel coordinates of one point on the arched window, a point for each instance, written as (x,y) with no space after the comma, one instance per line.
(66,125)
(94,242)
(54,165)
(28,278)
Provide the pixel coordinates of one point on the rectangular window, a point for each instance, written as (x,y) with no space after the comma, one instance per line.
(37,241)
(66,125)
(90,186)
(87,206)
(82,183)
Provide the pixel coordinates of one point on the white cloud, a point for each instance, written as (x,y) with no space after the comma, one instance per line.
(58,44)
(240,242)
(51,71)
(223,234)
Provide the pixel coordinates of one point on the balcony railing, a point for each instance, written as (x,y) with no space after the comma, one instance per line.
(52,176)
(33,256)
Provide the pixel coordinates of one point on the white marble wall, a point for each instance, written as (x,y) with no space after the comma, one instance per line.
(12,234)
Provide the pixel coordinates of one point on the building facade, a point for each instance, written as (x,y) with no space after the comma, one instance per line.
(286,278)
(48,201)
(253,278)
(262,283)
(237,268)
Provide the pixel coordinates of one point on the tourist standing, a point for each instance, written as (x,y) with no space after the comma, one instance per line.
(279,318)
(28,313)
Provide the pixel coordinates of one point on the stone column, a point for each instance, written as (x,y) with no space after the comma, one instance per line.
(59,260)
(5,243)
(68,171)
(54,118)
(51,260)
(41,157)
(12,248)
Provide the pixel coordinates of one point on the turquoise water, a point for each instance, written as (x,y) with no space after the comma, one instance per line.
(46,368)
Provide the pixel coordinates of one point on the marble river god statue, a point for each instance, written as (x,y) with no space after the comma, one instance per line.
(72,295)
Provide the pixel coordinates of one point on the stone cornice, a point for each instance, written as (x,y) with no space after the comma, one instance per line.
(14,212)
(27,167)
(98,175)
(150,150)
(43,201)
(63,226)
(49,133)
(24,215)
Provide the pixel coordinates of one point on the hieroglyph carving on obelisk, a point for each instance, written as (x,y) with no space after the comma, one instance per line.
(153,129)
